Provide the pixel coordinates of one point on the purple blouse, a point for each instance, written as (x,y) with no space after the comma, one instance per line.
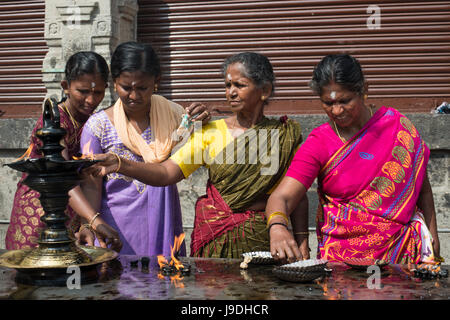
(146,217)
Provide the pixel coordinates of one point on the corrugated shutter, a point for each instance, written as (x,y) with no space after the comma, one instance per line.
(406,60)
(22,50)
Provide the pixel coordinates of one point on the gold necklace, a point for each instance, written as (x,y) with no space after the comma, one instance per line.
(337,131)
(75,123)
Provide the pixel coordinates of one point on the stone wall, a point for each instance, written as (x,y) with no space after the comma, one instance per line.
(14,139)
(84,25)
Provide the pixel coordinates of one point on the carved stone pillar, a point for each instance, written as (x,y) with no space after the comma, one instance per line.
(84,25)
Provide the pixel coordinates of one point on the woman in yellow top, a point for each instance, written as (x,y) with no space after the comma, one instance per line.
(246,155)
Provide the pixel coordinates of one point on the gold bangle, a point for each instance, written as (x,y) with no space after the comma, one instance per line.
(119,160)
(277,213)
(93,219)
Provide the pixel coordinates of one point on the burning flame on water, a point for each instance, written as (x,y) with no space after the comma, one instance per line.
(160,276)
(333,295)
(176,247)
(86,153)
(27,153)
(174,262)
(176,281)
(162,261)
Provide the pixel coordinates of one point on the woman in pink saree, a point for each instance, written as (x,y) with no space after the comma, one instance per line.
(375,197)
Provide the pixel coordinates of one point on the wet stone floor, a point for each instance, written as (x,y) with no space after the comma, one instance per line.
(222,279)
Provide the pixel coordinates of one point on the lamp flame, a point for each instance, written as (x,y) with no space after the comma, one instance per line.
(27,153)
(86,153)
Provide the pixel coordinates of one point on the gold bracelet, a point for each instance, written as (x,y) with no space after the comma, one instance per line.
(93,219)
(302,232)
(277,213)
(119,160)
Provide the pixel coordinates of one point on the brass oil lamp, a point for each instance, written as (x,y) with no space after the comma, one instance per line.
(53,177)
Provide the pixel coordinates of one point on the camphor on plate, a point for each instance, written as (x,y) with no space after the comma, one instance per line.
(301,271)
(256,257)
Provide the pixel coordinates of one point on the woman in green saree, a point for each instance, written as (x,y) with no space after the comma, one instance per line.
(246,155)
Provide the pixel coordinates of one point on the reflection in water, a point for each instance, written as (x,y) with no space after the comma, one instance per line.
(396,282)
(218,279)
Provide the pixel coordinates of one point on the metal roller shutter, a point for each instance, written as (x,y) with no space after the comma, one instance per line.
(22,50)
(406,60)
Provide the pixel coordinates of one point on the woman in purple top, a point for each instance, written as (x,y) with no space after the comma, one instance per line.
(138,127)
(147,218)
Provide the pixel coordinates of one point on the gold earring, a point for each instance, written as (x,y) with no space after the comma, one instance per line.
(156,88)
(263,98)
(365,96)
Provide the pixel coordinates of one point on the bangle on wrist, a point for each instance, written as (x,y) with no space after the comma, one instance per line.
(277,213)
(119,160)
(302,233)
(91,223)
(275,223)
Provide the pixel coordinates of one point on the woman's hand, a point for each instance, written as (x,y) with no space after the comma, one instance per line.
(85,237)
(199,112)
(303,245)
(106,235)
(436,248)
(426,203)
(283,245)
(109,163)
(284,199)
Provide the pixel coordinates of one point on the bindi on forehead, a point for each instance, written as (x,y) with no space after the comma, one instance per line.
(333,95)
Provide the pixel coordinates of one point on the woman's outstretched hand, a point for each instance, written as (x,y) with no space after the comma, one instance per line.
(199,112)
(283,245)
(109,162)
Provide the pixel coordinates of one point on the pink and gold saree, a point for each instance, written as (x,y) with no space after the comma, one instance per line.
(368,192)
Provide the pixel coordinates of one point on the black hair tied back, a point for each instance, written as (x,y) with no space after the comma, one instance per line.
(134,56)
(341,69)
(86,62)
